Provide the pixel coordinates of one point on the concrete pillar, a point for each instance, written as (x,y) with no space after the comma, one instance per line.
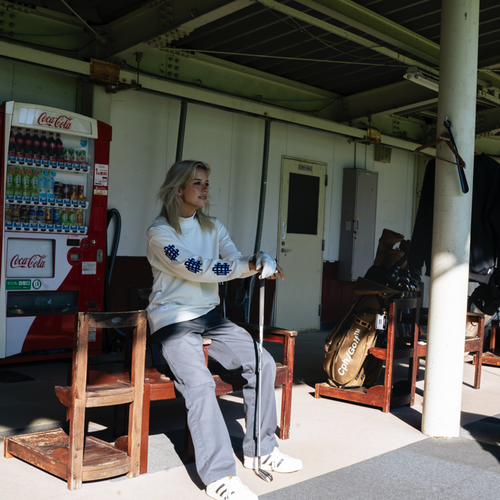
(452,217)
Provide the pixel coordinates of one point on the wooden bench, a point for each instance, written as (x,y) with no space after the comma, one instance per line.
(158,386)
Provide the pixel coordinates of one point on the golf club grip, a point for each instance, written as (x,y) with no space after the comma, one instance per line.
(463,180)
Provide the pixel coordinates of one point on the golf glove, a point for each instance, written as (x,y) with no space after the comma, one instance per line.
(265,263)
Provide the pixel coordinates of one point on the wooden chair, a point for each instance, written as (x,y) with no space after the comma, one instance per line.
(75,457)
(158,386)
(492,357)
(390,393)
(473,345)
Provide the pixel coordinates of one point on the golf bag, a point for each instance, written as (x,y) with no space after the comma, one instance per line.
(347,360)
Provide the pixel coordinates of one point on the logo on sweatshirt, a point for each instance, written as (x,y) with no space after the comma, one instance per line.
(171,252)
(221,269)
(193,265)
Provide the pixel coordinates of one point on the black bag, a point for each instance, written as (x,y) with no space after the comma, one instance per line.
(486,297)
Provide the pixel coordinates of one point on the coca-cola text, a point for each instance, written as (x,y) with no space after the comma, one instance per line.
(34,262)
(56,121)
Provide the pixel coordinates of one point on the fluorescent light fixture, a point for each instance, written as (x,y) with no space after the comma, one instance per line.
(417,76)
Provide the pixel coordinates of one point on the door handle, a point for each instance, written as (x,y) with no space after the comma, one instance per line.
(286,250)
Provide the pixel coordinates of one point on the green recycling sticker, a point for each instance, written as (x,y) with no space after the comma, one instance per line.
(18,284)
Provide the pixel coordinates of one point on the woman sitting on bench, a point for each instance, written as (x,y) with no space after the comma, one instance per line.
(190,253)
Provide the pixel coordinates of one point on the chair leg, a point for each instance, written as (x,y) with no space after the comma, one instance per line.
(478,356)
(146,402)
(76,446)
(286,397)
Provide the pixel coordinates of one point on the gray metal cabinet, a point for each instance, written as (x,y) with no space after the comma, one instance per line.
(357,228)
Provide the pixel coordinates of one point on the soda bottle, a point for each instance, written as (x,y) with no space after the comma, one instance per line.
(44,150)
(49,185)
(60,151)
(20,146)
(26,183)
(8,215)
(9,183)
(72,218)
(12,148)
(64,216)
(14,214)
(35,141)
(79,218)
(42,193)
(28,147)
(18,183)
(32,216)
(40,217)
(56,217)
(23,216)
(34,184)
(52,150)
(48,216)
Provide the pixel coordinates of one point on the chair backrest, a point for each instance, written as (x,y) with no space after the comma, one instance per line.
(86,320)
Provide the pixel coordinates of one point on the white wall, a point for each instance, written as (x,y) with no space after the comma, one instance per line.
(144,147)
(27,83)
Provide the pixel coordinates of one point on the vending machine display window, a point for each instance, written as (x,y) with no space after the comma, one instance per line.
(30,258)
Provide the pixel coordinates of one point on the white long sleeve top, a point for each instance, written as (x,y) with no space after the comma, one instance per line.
(187,268)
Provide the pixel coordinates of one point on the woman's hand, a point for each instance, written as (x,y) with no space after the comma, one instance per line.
(278,272)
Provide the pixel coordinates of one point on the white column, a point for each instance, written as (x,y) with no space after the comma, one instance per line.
(452,218)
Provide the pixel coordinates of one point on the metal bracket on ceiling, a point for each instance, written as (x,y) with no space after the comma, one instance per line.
(108,74)
(373,136)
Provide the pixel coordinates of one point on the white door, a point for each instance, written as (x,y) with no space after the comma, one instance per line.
(300,244)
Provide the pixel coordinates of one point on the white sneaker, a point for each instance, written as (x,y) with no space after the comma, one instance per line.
(274,462)
(230,488)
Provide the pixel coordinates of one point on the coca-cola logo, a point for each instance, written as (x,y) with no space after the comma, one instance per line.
(60,121)
(36,261)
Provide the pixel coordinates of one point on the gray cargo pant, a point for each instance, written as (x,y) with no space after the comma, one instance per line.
(233,348)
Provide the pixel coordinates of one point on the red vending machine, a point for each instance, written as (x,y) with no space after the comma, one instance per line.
(54,190)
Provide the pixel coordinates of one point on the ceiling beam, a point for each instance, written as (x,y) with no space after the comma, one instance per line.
(374,24)
(162,23)
(314,21)
(388,31)
(487,122)
(396,98)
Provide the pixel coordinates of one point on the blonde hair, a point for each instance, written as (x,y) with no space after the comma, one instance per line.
(178,177)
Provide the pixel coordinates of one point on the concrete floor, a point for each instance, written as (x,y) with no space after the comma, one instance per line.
(328,435)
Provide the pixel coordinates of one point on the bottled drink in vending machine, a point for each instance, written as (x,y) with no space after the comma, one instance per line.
(20,146)
(42,190)
(44,150)
(8,216)
(79,218)
(12,148)
(32,217)
(40,217)
(56,217)
(28,147)
(9,183)
(35,140)
(72,218)
(60,151)
(18,183)
(26,183)
(64,216)
(23,216)
(52,150)
(49,185)
(34,184)
(14,215)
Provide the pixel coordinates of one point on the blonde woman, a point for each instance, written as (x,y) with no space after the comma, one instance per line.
(190,253)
